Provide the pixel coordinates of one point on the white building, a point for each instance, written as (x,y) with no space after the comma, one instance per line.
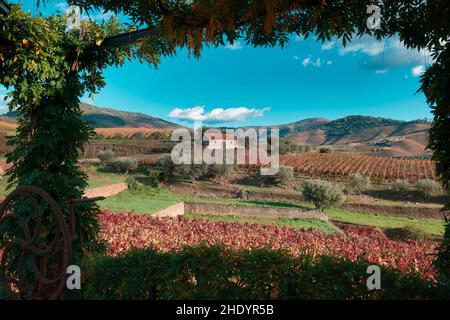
(223,141)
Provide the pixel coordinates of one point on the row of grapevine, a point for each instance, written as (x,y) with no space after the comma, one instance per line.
(320,165)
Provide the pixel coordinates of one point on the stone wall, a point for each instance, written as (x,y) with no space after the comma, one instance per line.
(172,211)
(413,212)
(250,211)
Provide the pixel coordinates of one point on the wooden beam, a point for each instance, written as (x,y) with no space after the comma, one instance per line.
(129,38)
(4,7)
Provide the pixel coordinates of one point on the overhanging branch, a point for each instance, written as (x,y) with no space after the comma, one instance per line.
(129,38)
(4,7)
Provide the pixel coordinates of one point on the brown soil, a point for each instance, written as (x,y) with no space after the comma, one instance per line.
(105,191)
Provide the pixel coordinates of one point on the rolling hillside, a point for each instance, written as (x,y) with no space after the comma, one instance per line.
(111,118)
(375,136)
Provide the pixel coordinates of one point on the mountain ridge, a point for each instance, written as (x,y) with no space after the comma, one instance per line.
(374,135)
(100,117)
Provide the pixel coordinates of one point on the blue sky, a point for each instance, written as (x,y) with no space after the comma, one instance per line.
(241,85)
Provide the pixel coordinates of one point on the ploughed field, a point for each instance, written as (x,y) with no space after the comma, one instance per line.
(129,230)
(319,165)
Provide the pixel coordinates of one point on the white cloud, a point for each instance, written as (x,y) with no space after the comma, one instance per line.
(216,115)
(418,71)
(309,61)
(306,62)
(328,45)
(386,55)
(235,46)
(367,45)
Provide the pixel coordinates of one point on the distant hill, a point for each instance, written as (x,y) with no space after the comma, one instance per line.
(111,118)
(376,136)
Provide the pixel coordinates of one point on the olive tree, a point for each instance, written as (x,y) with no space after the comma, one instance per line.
(427,187)
(323,194)
(358,183)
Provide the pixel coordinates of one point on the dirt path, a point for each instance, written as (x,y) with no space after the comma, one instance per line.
(105,191)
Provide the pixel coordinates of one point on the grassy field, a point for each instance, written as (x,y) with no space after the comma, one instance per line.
(281,222)
(429,226)
(151,200)
(99,180)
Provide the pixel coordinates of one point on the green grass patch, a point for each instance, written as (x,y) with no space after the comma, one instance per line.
(104,179)
(251,188)
(430,226)
(281,222)
(150,200)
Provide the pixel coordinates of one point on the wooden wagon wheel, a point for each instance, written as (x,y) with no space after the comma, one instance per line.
(33,265)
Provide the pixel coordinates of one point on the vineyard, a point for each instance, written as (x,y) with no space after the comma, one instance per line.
(318,165)
(130,132)
(125,231)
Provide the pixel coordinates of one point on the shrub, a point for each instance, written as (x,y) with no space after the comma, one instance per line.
(325,150)
(241,193)
(156,176)
(210,273)
(427,187)
(138,135)
(215,171)
(106,156)
(285,175)
(134,185)
(411,232)
(119,136)
(156,135)
(358,183)
(98,136)
(323,194)
(125,164)
(191,171)
(400,186)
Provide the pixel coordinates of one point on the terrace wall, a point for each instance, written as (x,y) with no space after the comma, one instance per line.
(248,211)
(175,210)
(413,212)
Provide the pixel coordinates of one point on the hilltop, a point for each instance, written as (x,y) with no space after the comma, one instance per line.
(112,118)
(373,135)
